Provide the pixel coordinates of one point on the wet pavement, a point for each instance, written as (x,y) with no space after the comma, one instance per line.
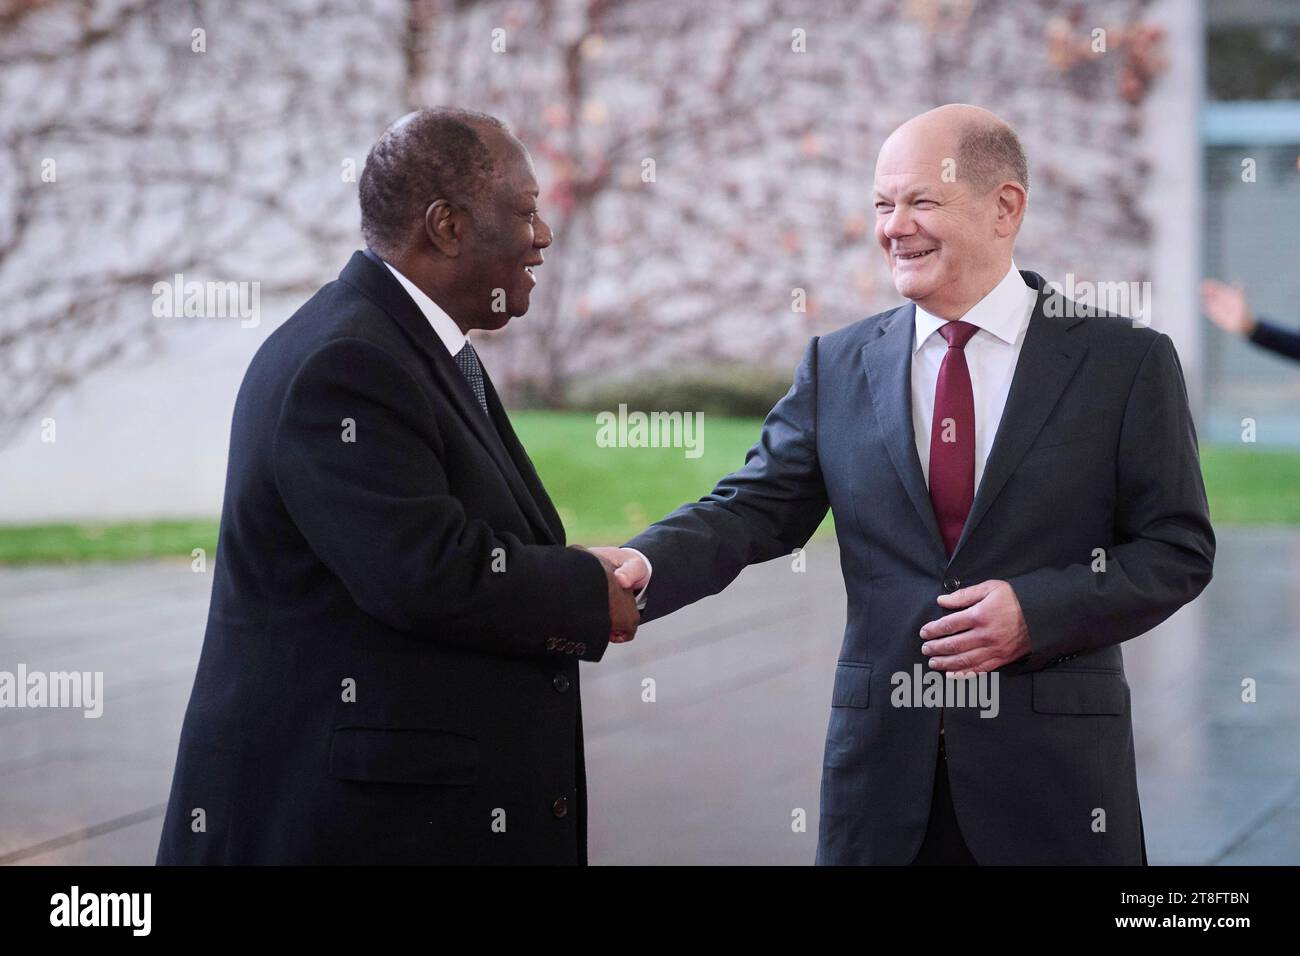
(713,768)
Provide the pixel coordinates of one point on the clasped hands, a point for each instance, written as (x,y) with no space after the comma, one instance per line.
(626,574)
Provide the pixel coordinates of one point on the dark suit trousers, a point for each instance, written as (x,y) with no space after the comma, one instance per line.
(943,844)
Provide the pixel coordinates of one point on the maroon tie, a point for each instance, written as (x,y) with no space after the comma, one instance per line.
(952,436)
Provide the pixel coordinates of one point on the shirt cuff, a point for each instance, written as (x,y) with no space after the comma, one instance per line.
(649,570)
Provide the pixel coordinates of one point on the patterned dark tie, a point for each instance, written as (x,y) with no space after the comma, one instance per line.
(952,436)
(468,363)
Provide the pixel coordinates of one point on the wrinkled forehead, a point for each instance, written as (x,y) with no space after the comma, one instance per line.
(915,158)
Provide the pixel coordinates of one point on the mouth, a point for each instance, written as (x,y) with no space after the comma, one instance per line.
(912,256)
(529,267)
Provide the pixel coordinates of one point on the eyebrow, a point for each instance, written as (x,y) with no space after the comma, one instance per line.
(918,192)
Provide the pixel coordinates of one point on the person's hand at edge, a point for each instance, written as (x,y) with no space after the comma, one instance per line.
(1227,307)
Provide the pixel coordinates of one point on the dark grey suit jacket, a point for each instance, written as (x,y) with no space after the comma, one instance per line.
(1096,449)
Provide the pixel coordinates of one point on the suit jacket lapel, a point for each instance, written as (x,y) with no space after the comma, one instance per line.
(1047,362)
(374,280)
(523,464)
(888,361)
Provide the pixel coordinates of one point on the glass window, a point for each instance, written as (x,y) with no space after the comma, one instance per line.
(1252,54)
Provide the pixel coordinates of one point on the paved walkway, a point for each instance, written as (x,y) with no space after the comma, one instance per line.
(708,773)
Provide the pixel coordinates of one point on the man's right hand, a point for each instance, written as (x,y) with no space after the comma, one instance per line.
(631,572)
(623,615)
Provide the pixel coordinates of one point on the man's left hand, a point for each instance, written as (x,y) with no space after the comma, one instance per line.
(985,630)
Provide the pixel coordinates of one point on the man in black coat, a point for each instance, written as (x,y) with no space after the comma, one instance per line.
(390,669)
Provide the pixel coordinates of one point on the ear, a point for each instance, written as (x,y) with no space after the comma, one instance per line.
(1011,200)
(444,225)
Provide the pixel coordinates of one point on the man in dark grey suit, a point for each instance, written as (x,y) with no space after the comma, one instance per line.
(1016,489)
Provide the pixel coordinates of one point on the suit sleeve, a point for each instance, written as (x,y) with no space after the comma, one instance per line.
(1164,553)
(767,509)
(1276,339)
(378,512)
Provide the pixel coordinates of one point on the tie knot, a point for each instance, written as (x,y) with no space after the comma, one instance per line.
(467,357)
(467,361)
(957,333)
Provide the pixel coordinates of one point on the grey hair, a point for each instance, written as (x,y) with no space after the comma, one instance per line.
(989,154)
(433,153)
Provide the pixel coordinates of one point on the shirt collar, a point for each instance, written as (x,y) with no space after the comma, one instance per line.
(448,331)
(1004,312)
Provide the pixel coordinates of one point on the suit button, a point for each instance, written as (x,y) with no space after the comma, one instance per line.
(951,584)
(560,683)
(560,807)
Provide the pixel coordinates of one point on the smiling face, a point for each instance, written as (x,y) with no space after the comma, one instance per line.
(503,240)
(943,240)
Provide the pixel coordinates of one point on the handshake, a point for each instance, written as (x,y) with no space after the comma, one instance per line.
(626,573)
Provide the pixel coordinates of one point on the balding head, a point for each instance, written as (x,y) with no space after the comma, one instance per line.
(951,186)
(986,151)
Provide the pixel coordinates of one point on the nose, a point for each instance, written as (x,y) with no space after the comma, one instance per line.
(542,234)
(899,223)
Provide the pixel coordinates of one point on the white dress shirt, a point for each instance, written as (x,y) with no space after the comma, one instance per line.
(452,337)
(991,355)
(448,331)
(1002,317)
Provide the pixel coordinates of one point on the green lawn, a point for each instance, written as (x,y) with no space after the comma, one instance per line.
(1251,487)
(68,543)
(607,494)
